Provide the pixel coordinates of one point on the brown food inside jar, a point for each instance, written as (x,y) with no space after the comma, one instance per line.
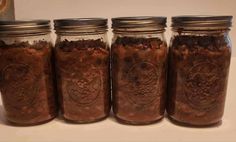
(83,80)
(139,79)
(26,82)
(198,74)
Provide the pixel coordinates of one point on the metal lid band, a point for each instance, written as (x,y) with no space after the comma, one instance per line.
(80,25)
(138,24)
(201,22)
(21,28)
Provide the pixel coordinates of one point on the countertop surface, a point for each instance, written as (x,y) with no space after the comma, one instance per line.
(109,130)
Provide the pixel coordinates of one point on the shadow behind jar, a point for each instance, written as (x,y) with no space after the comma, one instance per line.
(26,82)
(200,52)
(139,66)
(82,66)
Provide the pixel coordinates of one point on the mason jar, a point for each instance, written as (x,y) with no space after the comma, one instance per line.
(82,66)
(200,51)
(26,79)
(139,66)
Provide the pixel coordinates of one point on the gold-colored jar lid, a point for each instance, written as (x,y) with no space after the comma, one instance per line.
(201,22)
(24,27)
(138,24)
(80,25)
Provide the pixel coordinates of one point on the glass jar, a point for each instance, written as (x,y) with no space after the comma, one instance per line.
(26,81)
(82,66)
(200,51)
(139,63)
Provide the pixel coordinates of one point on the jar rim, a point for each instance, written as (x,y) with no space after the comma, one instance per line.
(201,22)
(80,25)
(24,27)
(139,23)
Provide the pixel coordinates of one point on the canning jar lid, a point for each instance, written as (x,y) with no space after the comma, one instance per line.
(80,25)
(138,24)
(201,22)
(24,27)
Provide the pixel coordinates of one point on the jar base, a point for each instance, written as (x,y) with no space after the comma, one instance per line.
(184,124)
(126,122)
(28,125)
(84,122)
